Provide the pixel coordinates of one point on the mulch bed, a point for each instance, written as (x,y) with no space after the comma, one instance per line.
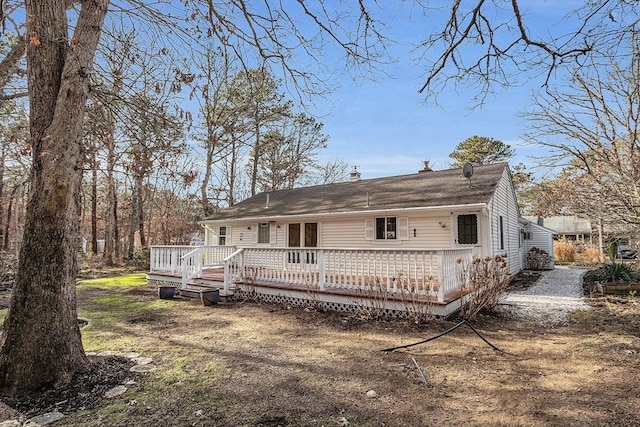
(85,391)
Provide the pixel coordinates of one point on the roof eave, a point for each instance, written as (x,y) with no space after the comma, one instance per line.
(262,218)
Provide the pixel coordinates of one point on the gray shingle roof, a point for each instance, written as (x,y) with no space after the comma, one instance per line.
(426,189)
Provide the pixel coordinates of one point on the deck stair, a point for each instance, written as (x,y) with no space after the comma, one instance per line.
(208,295)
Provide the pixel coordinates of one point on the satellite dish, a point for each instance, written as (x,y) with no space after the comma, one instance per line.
(467,170)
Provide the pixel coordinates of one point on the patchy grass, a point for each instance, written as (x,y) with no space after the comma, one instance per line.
(126,281)
(248,364)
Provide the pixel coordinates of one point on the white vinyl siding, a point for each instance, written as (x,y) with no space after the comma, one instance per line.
(353,233)
(503,203)
(541,238)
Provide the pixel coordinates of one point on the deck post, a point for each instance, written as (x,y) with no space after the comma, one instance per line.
(183,283)
(227,275)
(441,286)
(174,254)
(442,276)
(321,270)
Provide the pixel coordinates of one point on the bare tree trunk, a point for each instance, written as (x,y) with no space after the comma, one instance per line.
(41,342)
(601,239)
(7,225)
(256,158)
(133,222)
(140,204)
(231,194)
(3,157)
(94,209)
(116,228)
(109,238)
(207,207)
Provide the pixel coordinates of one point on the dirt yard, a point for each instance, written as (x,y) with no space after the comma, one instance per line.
(251,364)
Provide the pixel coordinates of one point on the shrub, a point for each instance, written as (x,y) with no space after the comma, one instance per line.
(537,259)
(618,272)
(591,254)
(482,281)
(141,258)
(564,250)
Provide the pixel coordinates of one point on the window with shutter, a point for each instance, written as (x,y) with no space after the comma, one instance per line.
(386,228)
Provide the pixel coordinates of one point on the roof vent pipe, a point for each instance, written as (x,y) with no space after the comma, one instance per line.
(267,204)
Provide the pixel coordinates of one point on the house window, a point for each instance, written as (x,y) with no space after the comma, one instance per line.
(468,229)
(222,236)
(263,232)
(501,230)
(386,228)
(311,234)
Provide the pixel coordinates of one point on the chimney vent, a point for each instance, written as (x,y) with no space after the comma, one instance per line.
(355,175)
(426,167)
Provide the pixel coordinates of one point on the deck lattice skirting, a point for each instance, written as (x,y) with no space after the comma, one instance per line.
(383,306)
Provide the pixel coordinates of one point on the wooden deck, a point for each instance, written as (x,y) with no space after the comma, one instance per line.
(381,280)
(214,278)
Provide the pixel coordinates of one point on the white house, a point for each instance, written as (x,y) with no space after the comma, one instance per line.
(537,237)
(338,244)
(569,227)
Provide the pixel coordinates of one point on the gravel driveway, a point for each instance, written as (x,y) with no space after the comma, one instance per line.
(549,301)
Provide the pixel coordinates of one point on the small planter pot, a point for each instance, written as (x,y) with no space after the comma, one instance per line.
(166,292)
(210,297)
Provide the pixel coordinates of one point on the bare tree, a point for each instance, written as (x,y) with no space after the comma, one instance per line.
(334,170)
(289,152)
(14,163)
(219,119)
(486,45)
(155,135)
(592,125)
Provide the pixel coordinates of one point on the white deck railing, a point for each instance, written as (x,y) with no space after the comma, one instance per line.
(187,260)
(414,271)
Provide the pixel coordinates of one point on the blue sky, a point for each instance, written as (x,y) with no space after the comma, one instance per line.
(385,127)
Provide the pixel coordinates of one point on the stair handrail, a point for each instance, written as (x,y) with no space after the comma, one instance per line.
(191,265)
(228,264)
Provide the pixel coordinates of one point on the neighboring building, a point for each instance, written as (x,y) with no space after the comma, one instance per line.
(567,227)
(332,242)
(537,238)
